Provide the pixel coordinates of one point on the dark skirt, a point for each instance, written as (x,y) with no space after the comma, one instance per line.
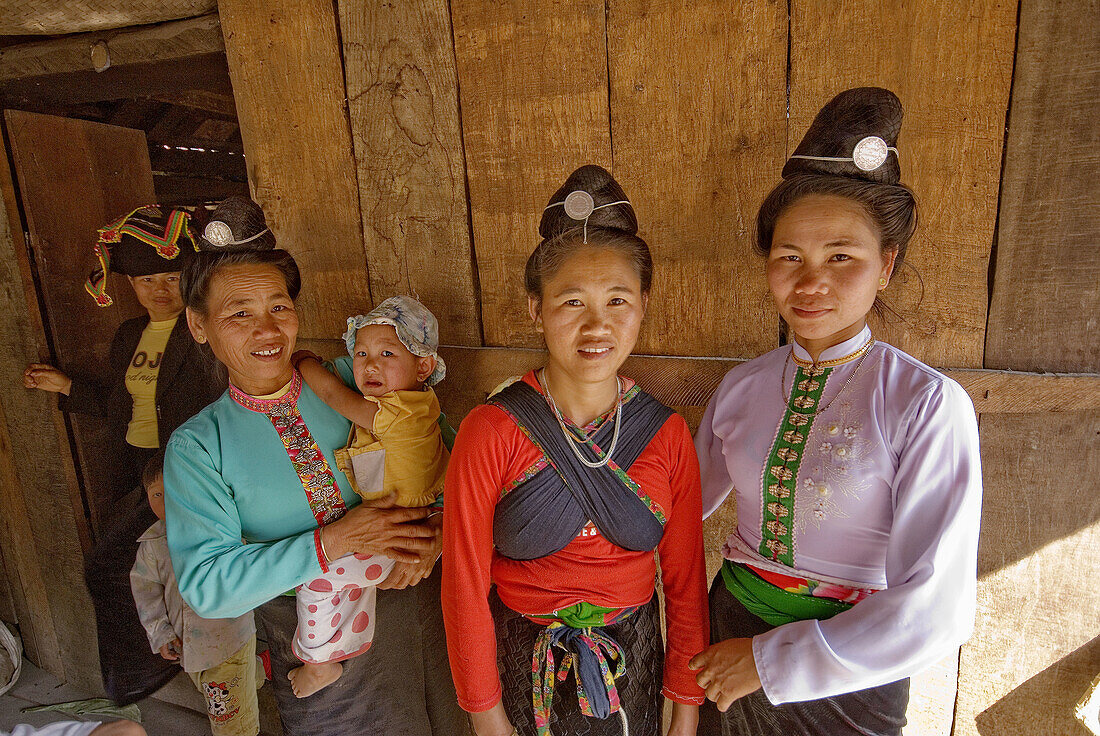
(639,635)
(130,670)
(876,711)
(401,687)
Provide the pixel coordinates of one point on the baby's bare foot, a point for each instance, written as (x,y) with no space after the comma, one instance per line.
(309,678)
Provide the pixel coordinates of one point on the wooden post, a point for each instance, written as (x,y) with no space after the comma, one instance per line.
(288,81)
(403,98)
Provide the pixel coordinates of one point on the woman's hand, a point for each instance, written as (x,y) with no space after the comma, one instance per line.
(370,530)
(727,671)
(46,378)
(405,574)
(493,722)
(685,720)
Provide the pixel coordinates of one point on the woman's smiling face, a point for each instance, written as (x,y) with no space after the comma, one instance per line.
(251,325)
(590,313)
(824,269)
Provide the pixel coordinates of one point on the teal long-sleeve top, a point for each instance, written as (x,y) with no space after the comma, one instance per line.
(240,528)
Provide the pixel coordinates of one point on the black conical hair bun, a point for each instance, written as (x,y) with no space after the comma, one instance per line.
(236,219)
(847,119)
(602,187)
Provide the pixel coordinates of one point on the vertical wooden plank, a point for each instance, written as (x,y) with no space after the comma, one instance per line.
(89,175)
(951,65)
(403,102)
(1034,649)
(698,122)
(38,533)
(284,60)
(1045,300)
(533,85)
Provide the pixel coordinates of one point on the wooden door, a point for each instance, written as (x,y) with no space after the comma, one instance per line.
(73,177)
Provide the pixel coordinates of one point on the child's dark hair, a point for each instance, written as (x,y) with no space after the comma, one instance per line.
(614,227)
(154,469)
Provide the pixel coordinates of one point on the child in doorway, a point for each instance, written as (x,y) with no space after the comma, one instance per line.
(395,456)
(219,655)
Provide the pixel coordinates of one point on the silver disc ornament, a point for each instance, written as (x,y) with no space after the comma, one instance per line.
(870,153)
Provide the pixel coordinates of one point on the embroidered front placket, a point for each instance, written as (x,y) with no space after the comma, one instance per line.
(781,471)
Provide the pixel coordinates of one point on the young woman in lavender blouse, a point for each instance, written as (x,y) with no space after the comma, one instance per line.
(854,466)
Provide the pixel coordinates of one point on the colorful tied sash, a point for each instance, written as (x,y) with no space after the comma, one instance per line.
(550,505)
(589,652)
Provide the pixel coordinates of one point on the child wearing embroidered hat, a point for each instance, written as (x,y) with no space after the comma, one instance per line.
(395,454)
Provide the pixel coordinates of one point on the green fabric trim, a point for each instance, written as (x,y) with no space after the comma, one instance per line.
(784,461)
(583,615)
(773,604)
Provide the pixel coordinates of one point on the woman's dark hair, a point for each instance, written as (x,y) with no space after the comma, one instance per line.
(153,469)
(196,277)
(892,208)
(614,227)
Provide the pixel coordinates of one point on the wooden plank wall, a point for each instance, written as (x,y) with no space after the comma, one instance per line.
(40,529)
(1035,648)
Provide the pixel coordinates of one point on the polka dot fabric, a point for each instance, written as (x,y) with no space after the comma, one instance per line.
(336,610)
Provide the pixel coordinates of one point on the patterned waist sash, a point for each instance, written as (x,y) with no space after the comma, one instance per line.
(787,598)
(589,652)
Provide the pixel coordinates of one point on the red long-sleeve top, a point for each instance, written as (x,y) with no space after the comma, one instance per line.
(491,452)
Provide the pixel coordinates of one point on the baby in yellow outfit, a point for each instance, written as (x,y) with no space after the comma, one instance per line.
(395,450)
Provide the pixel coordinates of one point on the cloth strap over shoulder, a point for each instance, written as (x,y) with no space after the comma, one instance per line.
(542,514)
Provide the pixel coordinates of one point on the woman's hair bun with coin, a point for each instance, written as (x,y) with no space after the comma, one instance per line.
(850,151)
(235,234)
(589,210)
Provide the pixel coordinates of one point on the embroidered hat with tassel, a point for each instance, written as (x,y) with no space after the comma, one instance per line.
(150,239)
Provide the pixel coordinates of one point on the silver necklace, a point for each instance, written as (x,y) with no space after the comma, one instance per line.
(783,380)
(575,441)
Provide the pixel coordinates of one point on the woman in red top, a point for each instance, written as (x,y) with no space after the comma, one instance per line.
(559,493)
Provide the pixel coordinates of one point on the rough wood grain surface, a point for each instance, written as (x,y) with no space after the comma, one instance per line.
(284,60)
(533,88)
(951,65)
(403,101)
(698,126)
(89,175)
(1045,297)
(39,535)
(172,40)
(1035,648)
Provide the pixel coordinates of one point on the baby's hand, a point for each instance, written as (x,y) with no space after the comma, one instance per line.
(171,650)
(300,355)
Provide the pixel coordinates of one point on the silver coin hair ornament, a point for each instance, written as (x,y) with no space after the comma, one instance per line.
(869,154)
(579,205)
(219,234)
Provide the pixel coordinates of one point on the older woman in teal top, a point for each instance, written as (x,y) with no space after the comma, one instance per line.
(255,504)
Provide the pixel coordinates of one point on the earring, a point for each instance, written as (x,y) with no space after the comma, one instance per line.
(882,283)
(200,339)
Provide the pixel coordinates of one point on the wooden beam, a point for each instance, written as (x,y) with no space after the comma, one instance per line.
(698,126)
(142,45)
(533,81)
(950,63)
(284,58)
(206,72)
(687,384)
(403,102)
(210,102)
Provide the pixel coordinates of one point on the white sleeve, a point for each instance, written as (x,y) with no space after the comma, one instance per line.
(713,473)
(928,606)
(148,592)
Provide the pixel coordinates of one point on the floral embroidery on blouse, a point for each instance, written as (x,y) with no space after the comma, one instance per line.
(318,482)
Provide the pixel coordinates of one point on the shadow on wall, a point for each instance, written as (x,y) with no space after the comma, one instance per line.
(1058,688)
